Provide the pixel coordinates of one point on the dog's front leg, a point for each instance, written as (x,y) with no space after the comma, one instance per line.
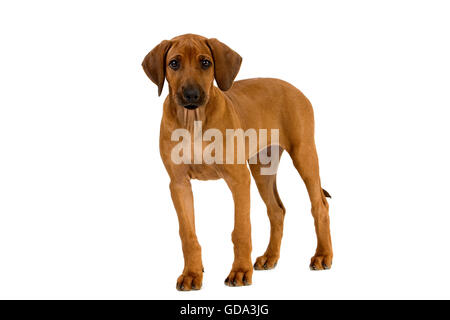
(182,198)
(237,178)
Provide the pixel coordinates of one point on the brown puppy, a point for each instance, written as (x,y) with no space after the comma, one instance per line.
(190,63)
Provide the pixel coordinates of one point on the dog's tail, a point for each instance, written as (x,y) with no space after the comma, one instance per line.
(326,194)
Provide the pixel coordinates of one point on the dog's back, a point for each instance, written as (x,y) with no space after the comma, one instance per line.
(273,103)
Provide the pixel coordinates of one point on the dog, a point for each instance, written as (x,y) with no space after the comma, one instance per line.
(190,64)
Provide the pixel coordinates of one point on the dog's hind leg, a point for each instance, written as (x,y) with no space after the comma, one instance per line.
(304,157)
(267,188)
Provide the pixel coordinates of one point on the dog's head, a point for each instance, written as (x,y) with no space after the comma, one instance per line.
(190,63)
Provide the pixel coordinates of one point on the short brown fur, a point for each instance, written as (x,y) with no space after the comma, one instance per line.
(253,103)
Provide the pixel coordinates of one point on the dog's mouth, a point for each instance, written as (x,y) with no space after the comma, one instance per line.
(191,106)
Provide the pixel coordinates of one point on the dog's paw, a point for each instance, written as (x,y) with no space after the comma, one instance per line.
(190,281)
(239,277)
(265,262)
(321,262)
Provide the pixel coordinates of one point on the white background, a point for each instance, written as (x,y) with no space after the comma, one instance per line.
(85,210)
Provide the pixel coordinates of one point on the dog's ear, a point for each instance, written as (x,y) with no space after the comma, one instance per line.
(154,64)
(226,63)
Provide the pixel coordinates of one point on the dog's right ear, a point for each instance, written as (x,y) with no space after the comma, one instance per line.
(154,64)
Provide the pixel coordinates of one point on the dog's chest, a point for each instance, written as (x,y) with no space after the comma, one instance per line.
(203,172)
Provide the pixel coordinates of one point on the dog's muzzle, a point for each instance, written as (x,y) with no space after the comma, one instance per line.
(191,106)
(191,97)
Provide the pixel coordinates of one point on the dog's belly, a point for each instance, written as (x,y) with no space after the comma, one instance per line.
(203,172)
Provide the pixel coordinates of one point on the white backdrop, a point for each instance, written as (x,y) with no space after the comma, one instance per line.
(85,210)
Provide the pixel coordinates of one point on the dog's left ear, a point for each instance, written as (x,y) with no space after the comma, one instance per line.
(154,64)
(226,63)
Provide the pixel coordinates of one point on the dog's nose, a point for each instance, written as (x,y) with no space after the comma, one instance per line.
(191,94)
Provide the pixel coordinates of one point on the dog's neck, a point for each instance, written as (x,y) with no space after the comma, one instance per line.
(187,117)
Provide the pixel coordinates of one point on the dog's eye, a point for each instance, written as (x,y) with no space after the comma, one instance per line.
(174,64)
(206,63)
